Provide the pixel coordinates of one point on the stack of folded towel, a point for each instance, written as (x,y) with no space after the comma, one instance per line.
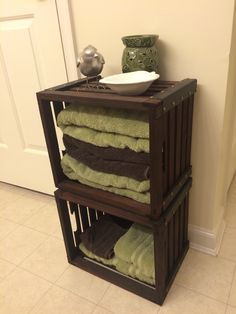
(107,149)
(135,253)
(130,252)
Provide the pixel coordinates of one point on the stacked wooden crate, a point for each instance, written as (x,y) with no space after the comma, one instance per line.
(169,106)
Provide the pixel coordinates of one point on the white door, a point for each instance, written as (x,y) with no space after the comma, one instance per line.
(31,59)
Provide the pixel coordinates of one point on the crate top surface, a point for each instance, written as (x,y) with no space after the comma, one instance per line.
(160,93)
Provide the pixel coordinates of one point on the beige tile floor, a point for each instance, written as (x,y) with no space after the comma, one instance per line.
(36,278)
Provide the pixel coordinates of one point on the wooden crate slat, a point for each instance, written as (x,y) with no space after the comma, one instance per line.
(92,214)
(57,107)
(165,153)
(74,210)
(99,213)
(171,161)
(51,140)
(178,140)
(106,197)
(84,216)
(181,227)
(184,135)
(156,144)
(176,234)
(186,204)
(170,245)
(63,213)
(189,128)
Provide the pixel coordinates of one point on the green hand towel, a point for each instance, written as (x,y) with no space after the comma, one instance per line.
(104,139)
(120,121)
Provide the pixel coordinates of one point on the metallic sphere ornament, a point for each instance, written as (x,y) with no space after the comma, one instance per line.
(90,62)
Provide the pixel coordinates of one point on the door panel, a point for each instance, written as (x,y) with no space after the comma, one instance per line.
(31,59)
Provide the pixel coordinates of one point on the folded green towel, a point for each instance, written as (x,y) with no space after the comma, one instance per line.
(104,139)
(119,121)
(123,267)
(133,271)
(129,187)
(127,245)
(139,197)
(110,262)
(136,248)
(106,179)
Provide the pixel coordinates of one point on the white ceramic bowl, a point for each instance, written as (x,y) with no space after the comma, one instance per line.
(131,83)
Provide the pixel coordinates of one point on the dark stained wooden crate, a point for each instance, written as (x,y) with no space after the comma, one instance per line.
(170,241)
(169,106)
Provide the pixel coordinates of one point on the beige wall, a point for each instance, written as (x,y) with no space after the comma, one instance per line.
(228,152)
(194,42)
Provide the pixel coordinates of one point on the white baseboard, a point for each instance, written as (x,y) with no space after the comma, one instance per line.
(204,240)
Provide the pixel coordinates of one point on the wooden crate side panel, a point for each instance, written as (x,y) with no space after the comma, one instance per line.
(177,238)
(156,163)
(177,130)
(160,258)
(63,212)
(51,140)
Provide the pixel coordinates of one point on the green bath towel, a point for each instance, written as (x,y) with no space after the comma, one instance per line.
(144,262)
(128,187)
(133,271)
(135,237)
(119,121)
(104,139)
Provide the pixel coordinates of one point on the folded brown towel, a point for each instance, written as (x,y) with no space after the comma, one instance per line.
(123,162)
(102,236)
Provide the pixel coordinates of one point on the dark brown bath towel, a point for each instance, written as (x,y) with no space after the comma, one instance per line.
(123,162)
(102,236)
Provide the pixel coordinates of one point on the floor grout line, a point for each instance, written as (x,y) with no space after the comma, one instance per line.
(200,293)
(102,308)
(234,274)
(38,302)
(75,294)
(55,283)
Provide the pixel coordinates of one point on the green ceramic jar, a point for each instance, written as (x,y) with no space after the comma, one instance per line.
(140,53)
